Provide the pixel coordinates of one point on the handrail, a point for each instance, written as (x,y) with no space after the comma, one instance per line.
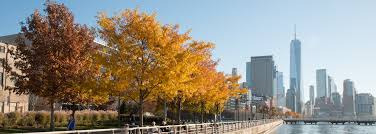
(205,128)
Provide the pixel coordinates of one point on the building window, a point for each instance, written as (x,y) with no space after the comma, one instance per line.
(2,49)
(1,78)
(2,62)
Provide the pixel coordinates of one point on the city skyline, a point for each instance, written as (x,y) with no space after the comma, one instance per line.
(333,34)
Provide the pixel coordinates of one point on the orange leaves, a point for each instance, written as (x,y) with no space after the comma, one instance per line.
(58,63)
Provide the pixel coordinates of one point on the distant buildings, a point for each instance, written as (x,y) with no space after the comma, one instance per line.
(337,100)
(295,74)
(231,103)
(348,98)
(321,83)
(281,99)
(332,87)
(311,99)
(290,99)
(262,73)
(365,105)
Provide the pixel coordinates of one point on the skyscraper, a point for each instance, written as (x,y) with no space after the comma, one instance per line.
(311,99)
(234,72)
(263,76)
(290,99)
(331,87)
(321,83)
(312,94)
(281,100)
(348,98)
(248,75)
(295,73)
(337,101)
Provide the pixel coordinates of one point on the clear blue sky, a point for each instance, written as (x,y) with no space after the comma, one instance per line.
(339,35)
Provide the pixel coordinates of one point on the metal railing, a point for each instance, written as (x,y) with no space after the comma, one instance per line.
(204,128)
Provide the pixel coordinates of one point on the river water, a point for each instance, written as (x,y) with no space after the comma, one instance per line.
(324,128)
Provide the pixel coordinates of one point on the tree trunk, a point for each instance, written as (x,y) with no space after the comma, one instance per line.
(194,117)
(165,110)
(202,112)
(216,112)
(179,111)
(141,114)
(52,123)
(119,104)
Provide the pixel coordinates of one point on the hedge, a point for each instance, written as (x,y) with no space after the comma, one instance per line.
(41,119)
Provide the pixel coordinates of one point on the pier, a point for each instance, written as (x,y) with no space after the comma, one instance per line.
(335,121)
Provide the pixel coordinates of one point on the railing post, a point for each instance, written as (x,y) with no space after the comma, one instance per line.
(196,129)
(205,127)
(186,129)
(126,128)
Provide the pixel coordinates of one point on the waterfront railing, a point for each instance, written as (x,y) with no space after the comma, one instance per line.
(203,128)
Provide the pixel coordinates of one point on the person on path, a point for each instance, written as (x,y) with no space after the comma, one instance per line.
(71,123)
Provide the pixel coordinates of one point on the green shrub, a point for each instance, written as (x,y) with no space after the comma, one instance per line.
(42,118)
(12,119)
(95,118)
(28,119)
(2,120)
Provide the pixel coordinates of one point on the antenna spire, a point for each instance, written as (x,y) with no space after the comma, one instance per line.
(295,31)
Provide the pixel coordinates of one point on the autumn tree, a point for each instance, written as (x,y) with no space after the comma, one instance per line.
(54,58)
(145,58)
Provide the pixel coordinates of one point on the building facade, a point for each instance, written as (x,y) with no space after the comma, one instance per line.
(262,81)
(9,101)
(295,73)
(263,76)
(348,99)
(365,105)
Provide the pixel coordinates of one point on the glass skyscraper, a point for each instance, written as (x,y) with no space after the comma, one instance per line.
(322,83)
(348,98)
(295,74)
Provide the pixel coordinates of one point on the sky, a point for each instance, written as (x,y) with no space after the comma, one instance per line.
(338,35)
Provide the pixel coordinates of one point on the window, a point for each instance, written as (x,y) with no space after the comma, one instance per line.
(1,78)
(2,62)
(2,49)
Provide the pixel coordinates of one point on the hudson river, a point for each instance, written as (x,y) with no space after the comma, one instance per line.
(324,128)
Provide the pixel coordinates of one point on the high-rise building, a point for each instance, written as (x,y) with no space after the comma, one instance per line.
(337,100)
(365,104)
(312,94)
(231,103)
(295,73)
(263,76)
(281,99)
(290,99)
(248,75)
(348,98)
(234,72)
(331,87)
(321,83)
(337,103)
